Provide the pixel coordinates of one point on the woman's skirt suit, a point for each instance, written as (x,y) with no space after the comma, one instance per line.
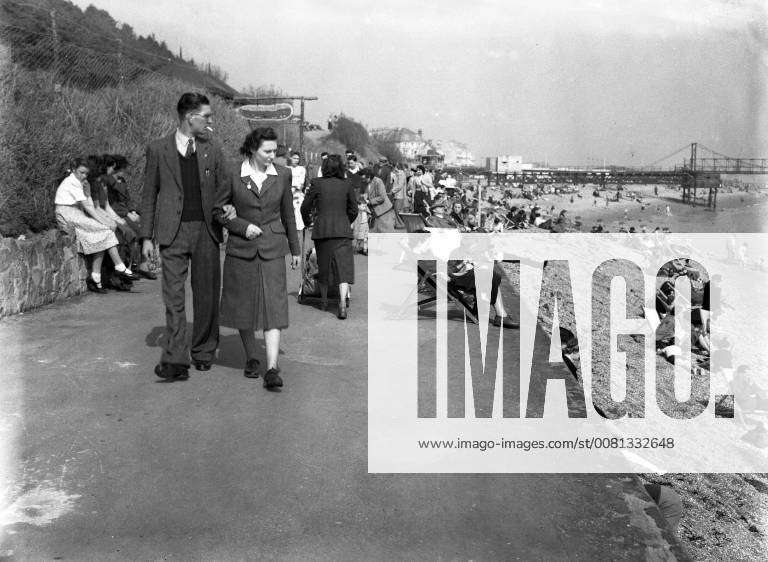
(255,293)
(333,202)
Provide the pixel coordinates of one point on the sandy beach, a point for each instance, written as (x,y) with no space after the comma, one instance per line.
(736,212)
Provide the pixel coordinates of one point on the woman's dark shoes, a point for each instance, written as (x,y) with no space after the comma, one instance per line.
(505,321)
(252,369)
(272,379)
(129,276)
(342,314)
(171,371)
(94,287)
(146,274)
(324,305)
(203,365)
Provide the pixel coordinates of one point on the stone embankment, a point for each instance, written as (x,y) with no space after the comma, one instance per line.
(40,269)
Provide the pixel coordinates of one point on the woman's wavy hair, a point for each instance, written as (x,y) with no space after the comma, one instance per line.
(255,138)
(333,167)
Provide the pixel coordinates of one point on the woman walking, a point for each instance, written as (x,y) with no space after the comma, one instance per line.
(333,199)
(75,211)
(255,294)
(381,207)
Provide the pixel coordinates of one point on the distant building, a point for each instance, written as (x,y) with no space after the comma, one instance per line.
(409,143)
(416,149)
(432,159)
(506,164)
(457,154)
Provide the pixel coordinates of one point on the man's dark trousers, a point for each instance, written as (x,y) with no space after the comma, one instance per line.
(192,244)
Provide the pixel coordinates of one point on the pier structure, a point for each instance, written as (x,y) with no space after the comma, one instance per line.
(701,171)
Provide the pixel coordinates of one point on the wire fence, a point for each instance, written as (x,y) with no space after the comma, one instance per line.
(80,55)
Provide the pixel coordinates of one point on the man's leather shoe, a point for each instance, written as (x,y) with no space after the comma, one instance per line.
(203,365)
(170,371)
(272,379)
(147,274)
(251,368)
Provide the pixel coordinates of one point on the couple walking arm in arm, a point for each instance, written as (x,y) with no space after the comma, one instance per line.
(189,194)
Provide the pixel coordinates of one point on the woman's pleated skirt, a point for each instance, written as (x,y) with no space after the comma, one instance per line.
(335,261)
(254,294)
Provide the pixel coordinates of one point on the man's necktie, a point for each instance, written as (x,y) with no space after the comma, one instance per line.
(190,148)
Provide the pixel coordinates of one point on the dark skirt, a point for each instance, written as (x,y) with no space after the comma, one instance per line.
(255,294)
(335,261)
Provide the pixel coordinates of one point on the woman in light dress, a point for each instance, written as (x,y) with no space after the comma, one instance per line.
(75,212)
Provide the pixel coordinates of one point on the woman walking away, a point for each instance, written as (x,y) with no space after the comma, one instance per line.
(255,294)
(381,207)
(75,211)
(333,199)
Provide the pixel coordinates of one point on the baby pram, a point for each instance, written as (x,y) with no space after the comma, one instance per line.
(308,286)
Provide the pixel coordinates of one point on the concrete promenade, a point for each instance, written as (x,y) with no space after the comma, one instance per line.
(106,462)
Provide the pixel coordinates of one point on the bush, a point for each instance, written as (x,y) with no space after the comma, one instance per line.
(351,134)
(43,130)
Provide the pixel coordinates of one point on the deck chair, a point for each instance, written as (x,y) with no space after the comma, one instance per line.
(414,222)
(428,280)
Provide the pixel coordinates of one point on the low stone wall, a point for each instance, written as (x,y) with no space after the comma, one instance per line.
(40,269)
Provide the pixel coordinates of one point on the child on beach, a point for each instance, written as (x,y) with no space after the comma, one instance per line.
(360,226)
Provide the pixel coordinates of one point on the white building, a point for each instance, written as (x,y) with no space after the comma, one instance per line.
(410,144)
(506,164)
(413,146)
(456,153)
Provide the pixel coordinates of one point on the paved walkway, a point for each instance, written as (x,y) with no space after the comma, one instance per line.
(107,463)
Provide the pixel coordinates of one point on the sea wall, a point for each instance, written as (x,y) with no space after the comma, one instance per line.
(39,269)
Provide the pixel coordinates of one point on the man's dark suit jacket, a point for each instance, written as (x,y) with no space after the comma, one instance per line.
(271,210)
(335,204)
(118,196)
(162,199)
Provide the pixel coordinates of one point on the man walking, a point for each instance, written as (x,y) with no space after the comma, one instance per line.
(183,171)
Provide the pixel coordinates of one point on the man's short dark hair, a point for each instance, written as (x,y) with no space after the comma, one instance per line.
(255,138)
(332,167)
(191,101)
(296,153)
(323,154)
(119,161)
(366,173)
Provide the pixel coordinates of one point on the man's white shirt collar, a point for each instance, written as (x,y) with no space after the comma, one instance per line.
(181,142)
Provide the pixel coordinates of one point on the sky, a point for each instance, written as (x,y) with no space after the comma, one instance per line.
(626,82)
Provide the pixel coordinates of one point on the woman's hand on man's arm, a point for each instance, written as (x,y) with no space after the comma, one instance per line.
(252,231)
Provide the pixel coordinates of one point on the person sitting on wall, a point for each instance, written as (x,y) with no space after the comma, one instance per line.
(119,200)
(75,212)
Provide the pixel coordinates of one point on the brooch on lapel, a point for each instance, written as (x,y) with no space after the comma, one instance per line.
(246,181)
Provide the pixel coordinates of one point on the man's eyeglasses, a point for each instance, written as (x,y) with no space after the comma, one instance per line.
(206,116)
